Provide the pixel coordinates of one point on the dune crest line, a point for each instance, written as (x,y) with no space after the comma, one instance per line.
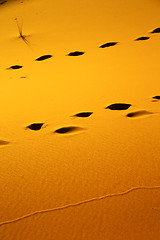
(79,203)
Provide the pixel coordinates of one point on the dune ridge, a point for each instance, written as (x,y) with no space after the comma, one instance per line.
(79,203)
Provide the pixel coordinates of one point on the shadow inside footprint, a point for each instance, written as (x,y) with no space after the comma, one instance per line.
(83,114)
(2,142)
(76,53)
(118,106)
(109,44)
(35,126)
(69,129)
(15,67)
(138,113)
(142,38)
(156,30)
(2,2)
(156,97)
(44,57)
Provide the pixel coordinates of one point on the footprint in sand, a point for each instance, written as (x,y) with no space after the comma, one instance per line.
(83,114)
(142,38)
(23,77)
(156,97)
(76,53)
(15,67)
(156,30)
(118,106)
(2,142)
(109,44)
(44,57)
(2,2)
(69,129)
(35,126)
(140,113)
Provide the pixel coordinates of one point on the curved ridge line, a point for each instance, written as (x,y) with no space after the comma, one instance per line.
(78,203)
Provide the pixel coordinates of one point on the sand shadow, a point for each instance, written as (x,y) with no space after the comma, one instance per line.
(156,97)
(14,67)
(156,30)
(118,106)
(2,142)
(140,113)
(44,57)
(142,38)
(2,2)
(68,130)
(76,53)
(35,126)
(82,114)
(109,44)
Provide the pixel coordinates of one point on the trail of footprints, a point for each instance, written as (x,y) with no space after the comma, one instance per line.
(75,53)
(73,129)
(113,107)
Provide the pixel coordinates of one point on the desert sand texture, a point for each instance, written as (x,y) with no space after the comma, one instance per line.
(79,125)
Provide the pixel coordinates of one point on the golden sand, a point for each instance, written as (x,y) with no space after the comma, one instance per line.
(79,126)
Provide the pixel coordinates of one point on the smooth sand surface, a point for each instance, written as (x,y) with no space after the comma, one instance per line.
(67,173)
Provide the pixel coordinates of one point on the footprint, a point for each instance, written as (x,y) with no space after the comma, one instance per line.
(156,97)
(44,57)
(23,77)
(2,142)
(3,2)
(76,53)
(69,129)
(118,106)
(109,44)
(156,30)
(138,113)
(35,126)
(83,114)
(15,67)
(142,38)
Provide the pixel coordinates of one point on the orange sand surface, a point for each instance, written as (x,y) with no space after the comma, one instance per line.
(74,164)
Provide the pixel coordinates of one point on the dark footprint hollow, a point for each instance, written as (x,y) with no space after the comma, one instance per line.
(2,142)
(15,67)
(109,44)
(76,53)
(83,114)
(156,97)
(156,30)
(2,2)
(142,38)
(118,106)
(44,57)
(35,126)
(138,113)
(69,129)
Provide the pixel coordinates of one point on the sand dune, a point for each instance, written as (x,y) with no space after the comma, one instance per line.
(94,174)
